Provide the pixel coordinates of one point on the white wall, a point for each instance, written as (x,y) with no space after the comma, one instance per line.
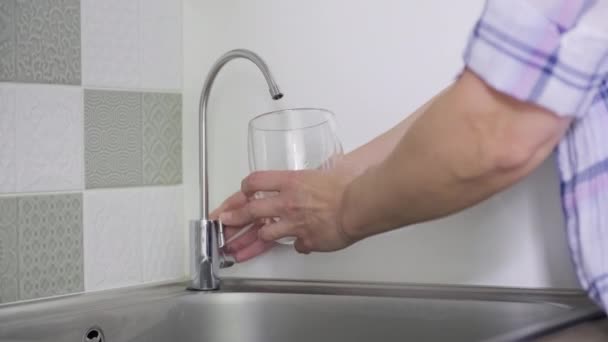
(372,63)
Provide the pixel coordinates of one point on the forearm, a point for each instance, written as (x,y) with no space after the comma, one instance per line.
(378,149)
(469,144)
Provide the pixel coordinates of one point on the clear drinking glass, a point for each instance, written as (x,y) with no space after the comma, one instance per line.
(293,139)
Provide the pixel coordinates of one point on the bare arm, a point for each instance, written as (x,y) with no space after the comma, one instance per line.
(378,149)
(470,143)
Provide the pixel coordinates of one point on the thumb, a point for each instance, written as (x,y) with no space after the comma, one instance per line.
(300,248)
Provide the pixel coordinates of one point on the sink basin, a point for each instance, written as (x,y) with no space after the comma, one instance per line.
(273,310)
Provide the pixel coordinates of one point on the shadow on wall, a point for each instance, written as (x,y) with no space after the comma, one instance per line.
(552,235)
(481,245)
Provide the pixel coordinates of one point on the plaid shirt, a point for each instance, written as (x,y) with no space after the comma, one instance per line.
(555,53)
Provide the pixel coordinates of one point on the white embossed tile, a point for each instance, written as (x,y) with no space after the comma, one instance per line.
(7,139)
(161,44)
(163,234)
(49,138)
(112,238)
(111,43)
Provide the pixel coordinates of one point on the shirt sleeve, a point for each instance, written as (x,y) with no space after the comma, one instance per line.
(550,52)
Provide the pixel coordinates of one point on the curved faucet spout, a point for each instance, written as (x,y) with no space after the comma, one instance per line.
(275,93)
(207,236)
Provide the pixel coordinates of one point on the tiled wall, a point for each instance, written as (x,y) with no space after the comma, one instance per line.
(90,145)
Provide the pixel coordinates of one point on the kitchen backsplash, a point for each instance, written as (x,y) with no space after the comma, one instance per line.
(90,145)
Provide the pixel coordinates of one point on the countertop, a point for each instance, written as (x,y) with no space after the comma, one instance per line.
(591,331)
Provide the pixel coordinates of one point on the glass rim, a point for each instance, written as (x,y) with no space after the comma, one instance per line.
(274,112)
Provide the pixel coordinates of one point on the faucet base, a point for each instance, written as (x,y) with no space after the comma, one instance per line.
(206,240)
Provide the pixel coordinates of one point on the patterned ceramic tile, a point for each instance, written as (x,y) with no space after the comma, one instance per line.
(163,234)
(48,41)
(7,139)
(111,44)
(113,139)
(9,286)
(50,245)
(7,40)
(161,44)
(162,134)
(112,240)
(49,138)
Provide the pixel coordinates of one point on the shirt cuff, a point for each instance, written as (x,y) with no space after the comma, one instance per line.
(516,49)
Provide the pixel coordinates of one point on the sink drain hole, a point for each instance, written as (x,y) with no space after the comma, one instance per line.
(94,334)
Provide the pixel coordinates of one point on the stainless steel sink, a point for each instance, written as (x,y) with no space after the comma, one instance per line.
(267,311)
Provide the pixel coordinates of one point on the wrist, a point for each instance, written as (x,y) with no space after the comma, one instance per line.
(348,170)
(350,222)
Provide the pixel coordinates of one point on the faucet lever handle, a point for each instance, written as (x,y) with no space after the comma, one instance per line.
(226,260)
(221,239)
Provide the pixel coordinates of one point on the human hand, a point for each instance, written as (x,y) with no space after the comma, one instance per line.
(308,206)
(248,245)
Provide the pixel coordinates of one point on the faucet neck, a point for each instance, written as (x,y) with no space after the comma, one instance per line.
(275,93)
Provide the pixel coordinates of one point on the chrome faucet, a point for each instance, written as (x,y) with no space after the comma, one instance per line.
(207,236)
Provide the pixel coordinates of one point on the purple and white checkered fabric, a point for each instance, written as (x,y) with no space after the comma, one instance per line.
(555,53)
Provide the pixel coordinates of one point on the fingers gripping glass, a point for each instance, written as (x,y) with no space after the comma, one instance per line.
(293,139)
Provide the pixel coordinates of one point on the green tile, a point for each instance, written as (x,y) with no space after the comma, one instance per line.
(162,138)
(50,245)
(113,139)
(7,40)
(48,41)
(9,286)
